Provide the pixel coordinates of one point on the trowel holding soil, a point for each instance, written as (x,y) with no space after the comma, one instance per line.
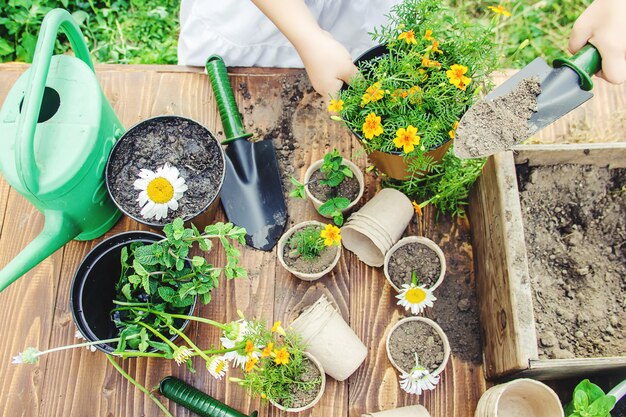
(252,194)
(527,102)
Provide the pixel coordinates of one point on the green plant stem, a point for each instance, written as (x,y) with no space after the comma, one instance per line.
(176,316)
(191,344)
(139,386)
(85,344)
(137,354)
(159,335)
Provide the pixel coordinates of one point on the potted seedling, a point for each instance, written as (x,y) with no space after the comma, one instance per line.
(333,184)
(589,400)
(166,167)
(410,93)
(310,250)
(419,349)
(328,337)
(278,369)
(415,267)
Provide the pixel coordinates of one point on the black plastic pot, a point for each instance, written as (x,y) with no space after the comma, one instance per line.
(93,288)
(195,161)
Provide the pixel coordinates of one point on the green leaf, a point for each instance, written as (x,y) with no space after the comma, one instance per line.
(338,219)
(203,289)
(180,264)
(347,172)
(143,344)
(127,292)
(145,283)
(602,406)
(198,261)
(124,255)
(134,279)
(161,347)
(146,254)
(139,269)
(167,294)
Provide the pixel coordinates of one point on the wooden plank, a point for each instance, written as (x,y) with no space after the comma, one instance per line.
(612,155)
(570,368)
(502,278)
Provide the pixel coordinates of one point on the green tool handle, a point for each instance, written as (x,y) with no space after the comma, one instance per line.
(585,62)
(229,113)
(25,153)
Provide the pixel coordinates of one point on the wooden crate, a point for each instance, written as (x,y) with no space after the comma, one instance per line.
(502,279)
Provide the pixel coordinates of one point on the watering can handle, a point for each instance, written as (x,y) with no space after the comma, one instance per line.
(25,153)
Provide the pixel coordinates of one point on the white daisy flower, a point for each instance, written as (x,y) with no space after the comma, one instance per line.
(160,191)
(415,298)
(182,354)
(418,380)
(217,367)
(234,335)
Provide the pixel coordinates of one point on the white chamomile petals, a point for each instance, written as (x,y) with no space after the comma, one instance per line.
(415,298)
(418,381)
(159,191)
(218,366)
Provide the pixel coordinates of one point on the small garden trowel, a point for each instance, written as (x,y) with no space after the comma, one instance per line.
(252,193)
(564,86)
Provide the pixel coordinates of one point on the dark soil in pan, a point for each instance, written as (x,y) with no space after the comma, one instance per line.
(301,397)
(312,266)
(349,188)
(491,126)
(183,144)
(575,229)
(414,257)
(413,337)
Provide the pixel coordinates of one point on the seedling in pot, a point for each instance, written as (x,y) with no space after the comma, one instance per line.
(309,242)
(590,401)
(414,297)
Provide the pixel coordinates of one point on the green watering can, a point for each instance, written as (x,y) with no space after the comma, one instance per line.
(56,131)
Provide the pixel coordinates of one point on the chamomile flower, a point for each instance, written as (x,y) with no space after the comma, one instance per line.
(235,335)
(160,191)
(415,298)
(182,354)
(418,380)
(30,356)
(217,366)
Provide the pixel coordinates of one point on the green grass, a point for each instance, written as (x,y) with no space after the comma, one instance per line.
(146,31)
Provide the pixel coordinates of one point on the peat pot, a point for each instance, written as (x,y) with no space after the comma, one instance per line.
(520,397)
(317,397)
(93,288)
(330,339)
(431,252)
(315,166)
(180,142)
(409,411)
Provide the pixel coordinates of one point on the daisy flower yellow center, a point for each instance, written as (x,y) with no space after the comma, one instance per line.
(415,298)
(331,235)
(407,138)
(160,190)
(372,126)
(415,295)
(456,75)
(220,366)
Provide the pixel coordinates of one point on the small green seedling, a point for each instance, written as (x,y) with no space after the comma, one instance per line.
(333,208)
(589,401)
(307,243)
(334,169)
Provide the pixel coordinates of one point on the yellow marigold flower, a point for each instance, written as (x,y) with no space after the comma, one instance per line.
(428,35)
(276,326)
(373,93)
(282,356)
(406,138)
(372,126)
(452,133)
(250,363)
(249,347)
(331,235)
(499,9)
(435,47)
(417,207)
(429,63)
(335,106)
(456,75)
(268,350)
(409,37)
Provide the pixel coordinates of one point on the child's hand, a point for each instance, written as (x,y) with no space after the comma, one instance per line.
(603,24)
(327,63)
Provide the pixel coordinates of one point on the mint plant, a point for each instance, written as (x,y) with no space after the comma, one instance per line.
(590,401)
(334,169)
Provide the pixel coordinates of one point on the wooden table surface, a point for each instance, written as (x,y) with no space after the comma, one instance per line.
(34,311)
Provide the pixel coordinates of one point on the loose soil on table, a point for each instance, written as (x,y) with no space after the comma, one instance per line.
(493,126)
(183,144)
(300,397)
(349,188)
(414,257)
(575,229)
(312,266)
(414,337)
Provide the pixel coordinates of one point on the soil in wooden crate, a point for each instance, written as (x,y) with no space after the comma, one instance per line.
(309,266)
(575,229)
(349,188)
(413,337)
(301,397)
(414,257)
(179,142)
(495,125)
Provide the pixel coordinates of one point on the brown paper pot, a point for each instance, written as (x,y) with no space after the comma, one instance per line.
(330,339)
(444,338)
(389,211)
(319,395)
(315,166)
(424,241)
(520,397)
(304,276)
(410,411)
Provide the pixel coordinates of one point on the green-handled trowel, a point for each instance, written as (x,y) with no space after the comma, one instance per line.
(564,86)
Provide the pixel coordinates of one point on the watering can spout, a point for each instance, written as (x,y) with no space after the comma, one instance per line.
(57,231)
